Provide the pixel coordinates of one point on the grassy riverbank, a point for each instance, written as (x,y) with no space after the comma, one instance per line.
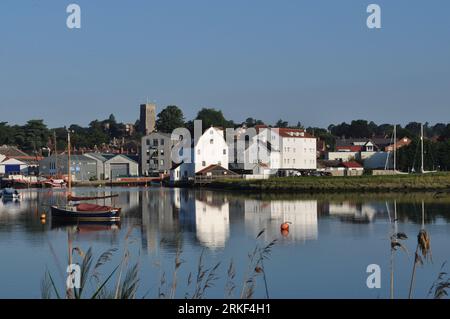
(394,183)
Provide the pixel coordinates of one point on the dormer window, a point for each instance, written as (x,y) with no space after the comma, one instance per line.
(211,141)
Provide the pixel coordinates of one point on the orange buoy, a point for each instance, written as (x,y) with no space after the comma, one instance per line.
(285,226)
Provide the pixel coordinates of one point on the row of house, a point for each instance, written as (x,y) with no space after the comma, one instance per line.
(259,151)
(373,153)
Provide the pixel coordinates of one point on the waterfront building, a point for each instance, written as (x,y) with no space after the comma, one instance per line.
(83,168)
(113,166)
(156,153)
(210,149)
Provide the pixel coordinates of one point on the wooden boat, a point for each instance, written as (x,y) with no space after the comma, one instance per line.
(55,183)
(86,212)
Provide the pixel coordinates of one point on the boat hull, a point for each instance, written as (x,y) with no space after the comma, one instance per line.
(71,215)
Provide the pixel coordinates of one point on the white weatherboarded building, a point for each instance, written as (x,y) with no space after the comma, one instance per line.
(297,149)
(210,149)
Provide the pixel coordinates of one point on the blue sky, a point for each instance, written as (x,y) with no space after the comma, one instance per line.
(310,61)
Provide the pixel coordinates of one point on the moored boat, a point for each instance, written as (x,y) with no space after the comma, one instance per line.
(86,212)
(55,183)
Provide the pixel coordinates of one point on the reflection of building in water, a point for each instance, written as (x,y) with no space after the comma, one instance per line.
(207,215)
(269,215)
(160,225)
(356,212)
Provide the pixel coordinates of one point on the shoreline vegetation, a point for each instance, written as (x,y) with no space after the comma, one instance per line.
(433,182)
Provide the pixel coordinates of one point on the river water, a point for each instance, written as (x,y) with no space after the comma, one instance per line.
(331,241)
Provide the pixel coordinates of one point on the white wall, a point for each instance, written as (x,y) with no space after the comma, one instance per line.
(298,153)
(210,149)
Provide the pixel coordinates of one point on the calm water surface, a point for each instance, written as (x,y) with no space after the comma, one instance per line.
(331,241)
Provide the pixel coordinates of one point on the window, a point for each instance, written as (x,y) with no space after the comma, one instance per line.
(211,141)
(224,151)
(198,152)
(211,132)
(161,162)
(162,141)
(148,152)
(148,161)
(162,152)
(147,142)
(203,163)
(155,142)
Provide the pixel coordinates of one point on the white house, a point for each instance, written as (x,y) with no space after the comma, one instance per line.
(297,148)
(210,149)
(12,166)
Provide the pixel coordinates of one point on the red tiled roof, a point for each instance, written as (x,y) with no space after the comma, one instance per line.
(295,133)
(212,167)
(351,165)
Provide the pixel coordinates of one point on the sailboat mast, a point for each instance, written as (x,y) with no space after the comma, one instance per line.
(69,178)
(56,154)
(395,147)
(422,168)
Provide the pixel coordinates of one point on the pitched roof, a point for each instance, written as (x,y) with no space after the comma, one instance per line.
(351,165)
(213,167)
(291,132)
(11,151)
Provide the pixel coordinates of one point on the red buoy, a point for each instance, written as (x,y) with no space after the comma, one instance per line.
(285,226)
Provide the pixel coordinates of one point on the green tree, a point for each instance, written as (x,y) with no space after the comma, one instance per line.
(36,136)
(251,122)
(169,119)
(212,117)
(281,124)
